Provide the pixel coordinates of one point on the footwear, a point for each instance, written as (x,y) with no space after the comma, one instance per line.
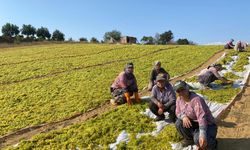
(137,98)
(113,102)
(186,142)
(127,96)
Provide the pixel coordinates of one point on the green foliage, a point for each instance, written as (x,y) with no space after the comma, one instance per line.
(192,79)
(57,36)
(231,76)
(147,40)
(182,42)
(161,141)
(166,37)
(228,57)
(56,96)
(113,35)
(220,96)
(28,30)
(94,40)
(83,39)
(10,30)
(102,130)
(43,33)
(243,60)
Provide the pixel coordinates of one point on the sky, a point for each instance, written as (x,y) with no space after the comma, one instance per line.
(201,21)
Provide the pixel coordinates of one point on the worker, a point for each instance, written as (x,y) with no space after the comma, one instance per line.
(163,99)
(125,86)
(157,69)
(241,46)
(195,122)
(229,45)
(210,74)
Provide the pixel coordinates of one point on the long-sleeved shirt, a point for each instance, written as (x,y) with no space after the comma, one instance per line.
(167,97)
(196,110)
(125,81)
(154,74)
(240,46)
(211,69)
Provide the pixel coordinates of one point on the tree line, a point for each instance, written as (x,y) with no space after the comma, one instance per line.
(28,33)
(11,33)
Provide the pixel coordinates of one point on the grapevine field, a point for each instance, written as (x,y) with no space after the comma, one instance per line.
(42,84)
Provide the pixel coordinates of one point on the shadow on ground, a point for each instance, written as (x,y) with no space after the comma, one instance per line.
(233,144)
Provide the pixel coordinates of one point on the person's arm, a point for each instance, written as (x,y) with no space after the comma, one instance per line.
(216,73)
(231,44)
(122,81)
(154,96)
(171,97)
(178,112)
(199,106)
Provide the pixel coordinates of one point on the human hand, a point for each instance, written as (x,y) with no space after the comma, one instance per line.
(160,111)
(202,142)
(186,122)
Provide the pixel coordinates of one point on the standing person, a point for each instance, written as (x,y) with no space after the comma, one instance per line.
(163,99)
(155,71)
(210,74)
(125,86)
(241,46)
(229,45)
(195,122)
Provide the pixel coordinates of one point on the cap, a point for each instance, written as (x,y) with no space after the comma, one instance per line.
(160,77)
(129,65)
(157,63)
(180,85)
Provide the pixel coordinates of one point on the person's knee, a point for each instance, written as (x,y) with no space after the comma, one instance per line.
(196,138)
(151,105)
(178,123)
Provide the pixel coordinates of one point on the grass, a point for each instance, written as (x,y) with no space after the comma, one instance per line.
(55,97)
(99,131)
(243,60)
(220,96)
(231,76)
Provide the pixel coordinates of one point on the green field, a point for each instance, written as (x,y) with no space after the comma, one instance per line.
(47,83)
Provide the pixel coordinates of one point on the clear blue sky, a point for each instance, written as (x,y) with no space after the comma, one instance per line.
(202,21)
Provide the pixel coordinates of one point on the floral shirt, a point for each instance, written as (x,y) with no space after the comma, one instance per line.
(196,110)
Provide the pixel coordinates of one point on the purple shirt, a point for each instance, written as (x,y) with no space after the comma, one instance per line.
(166,97)
(211,69)
(123,81)
(196,110)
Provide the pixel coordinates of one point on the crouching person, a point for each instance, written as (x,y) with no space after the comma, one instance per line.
(163,99)
(195,122)
(210,74)
(157,69)
(125,86)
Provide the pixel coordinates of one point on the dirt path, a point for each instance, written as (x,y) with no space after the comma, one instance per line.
(27,133)
(234,127)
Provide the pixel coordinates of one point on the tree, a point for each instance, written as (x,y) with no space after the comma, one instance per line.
(166,37)
(113,36)
(147,40)
(28,30)
(57,36)
(83,39)
(10,30)
(157,38)
(94,40)
(182,42)
(43,33)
